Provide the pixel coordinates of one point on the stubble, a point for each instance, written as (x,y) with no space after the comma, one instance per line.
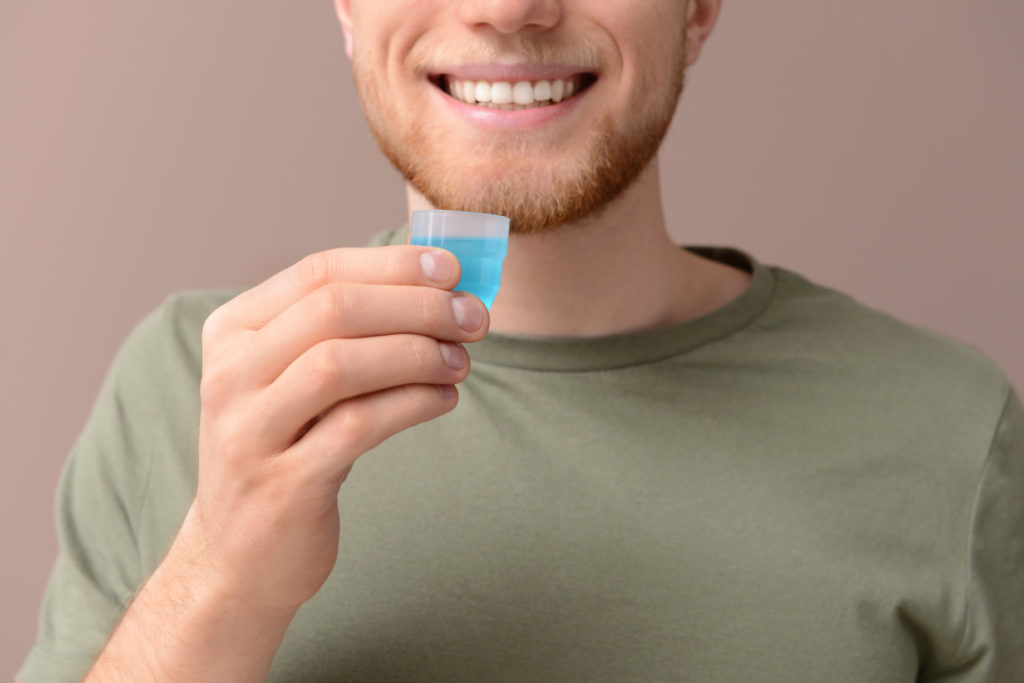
(536,195)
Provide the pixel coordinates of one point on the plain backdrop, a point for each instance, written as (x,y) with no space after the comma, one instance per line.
(149,147)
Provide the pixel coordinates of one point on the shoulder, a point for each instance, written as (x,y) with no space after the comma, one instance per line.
(883,348)
(180,316)
(165,345)
(881,376)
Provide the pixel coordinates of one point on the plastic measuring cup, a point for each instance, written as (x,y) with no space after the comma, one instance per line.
(478,240)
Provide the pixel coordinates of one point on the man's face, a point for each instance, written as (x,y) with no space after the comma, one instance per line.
(577,96)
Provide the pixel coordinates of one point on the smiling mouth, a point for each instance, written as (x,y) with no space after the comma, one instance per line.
(513,96)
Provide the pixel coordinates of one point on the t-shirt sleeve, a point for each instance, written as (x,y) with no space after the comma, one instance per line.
(99,492)
(992,649)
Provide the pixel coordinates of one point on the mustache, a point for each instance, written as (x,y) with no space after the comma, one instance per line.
(434,56)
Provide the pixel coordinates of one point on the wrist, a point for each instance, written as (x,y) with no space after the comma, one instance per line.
(202,590)
(192,570)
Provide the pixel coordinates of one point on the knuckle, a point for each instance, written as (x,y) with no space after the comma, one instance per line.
(326,364)
(222,364)
(432,304)
(233,447)
(214,386)
(424,401)
(209,391)
(352,425)
(213,325)
(421,397)
(314,270)
(424,352)
(332,303)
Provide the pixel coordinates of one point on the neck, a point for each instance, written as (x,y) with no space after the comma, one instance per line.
(615,272)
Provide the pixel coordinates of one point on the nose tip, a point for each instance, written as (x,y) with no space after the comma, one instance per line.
(512,16)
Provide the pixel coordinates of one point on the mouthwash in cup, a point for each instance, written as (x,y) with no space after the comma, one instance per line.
(478,240)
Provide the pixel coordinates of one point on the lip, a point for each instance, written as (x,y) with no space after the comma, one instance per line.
(500,119)
(511,72)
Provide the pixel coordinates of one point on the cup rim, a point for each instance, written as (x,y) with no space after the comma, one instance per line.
(428,223)
(472,213)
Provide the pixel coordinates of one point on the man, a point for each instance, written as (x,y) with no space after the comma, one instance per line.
(665,464)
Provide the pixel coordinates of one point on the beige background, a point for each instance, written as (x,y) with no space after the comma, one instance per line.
(149,147)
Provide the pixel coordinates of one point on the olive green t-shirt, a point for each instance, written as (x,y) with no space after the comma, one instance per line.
(794,487)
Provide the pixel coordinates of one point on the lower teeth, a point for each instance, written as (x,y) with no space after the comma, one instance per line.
(509,107)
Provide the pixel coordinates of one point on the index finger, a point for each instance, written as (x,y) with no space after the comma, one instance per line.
(399,264)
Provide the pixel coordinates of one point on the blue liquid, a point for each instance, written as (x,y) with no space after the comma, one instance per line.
(480,259)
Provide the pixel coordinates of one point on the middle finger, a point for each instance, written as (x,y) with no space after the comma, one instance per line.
(354,310)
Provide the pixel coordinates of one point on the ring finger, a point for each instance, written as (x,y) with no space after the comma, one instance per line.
(337,369)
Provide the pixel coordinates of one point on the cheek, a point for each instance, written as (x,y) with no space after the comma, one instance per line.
(385,31)
(647,36)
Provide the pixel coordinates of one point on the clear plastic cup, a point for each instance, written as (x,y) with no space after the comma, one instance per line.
(478,240)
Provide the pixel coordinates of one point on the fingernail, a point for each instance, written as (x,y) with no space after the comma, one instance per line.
(453,354)
(468,313)
(447,391)
(437,265)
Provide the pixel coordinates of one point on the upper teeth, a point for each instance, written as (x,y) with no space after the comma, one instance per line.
(508,95)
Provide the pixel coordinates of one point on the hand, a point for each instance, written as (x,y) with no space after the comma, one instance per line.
(301,375)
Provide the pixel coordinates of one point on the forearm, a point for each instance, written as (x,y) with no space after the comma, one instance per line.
(180,628)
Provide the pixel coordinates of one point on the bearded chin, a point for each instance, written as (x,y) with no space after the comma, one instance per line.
(536,195)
